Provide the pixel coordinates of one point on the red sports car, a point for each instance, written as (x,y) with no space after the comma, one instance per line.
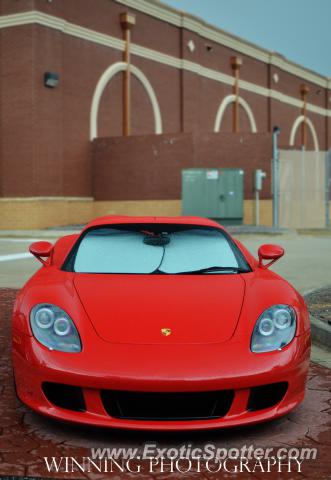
(159,323)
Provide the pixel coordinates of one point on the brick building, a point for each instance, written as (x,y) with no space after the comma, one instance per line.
(212,98)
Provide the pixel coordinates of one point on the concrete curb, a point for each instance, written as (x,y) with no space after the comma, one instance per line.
(37,234)
(257,230)
(60,231)
(320,333)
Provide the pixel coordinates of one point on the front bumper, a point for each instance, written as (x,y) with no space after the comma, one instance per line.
(158,368)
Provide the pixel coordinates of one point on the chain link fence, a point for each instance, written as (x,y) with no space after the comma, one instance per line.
(304,186)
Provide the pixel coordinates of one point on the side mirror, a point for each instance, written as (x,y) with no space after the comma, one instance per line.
(269,252)
(42,251)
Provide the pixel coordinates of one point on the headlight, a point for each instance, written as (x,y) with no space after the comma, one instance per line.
(44,317)
(53,327)
(274,329)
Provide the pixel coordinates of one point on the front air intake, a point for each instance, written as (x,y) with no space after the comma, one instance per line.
(64,396)
(167,405)
(266,396)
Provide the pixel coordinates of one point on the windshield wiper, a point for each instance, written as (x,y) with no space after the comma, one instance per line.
(215,269)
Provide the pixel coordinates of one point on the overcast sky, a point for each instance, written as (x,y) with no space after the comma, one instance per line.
(298,29)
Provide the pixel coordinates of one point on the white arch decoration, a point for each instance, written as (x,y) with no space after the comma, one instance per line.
(101,85)
(223,106)
(300,119)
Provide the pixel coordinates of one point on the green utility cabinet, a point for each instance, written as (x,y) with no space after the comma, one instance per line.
(214,193)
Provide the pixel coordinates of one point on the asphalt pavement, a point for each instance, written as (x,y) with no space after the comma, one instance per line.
(306,264)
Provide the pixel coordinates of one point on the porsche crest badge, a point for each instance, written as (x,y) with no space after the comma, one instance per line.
(166,331)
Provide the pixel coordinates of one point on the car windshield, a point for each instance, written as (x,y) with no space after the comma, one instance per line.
(156,248)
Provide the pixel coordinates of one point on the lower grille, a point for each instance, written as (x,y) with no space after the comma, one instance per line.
(64,396)
(167,405)
(266,396)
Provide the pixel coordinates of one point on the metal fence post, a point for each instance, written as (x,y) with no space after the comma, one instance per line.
(327,187)
(275,177)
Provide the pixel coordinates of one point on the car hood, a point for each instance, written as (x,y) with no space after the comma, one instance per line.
(135,308)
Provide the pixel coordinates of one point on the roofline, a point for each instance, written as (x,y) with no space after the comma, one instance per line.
(161,11)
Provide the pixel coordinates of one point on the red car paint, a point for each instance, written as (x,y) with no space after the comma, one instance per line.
(119,318)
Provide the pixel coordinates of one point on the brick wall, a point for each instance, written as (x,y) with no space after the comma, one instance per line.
(149,167)
(44,141)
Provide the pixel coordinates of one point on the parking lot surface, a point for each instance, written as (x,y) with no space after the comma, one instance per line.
(306,264)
